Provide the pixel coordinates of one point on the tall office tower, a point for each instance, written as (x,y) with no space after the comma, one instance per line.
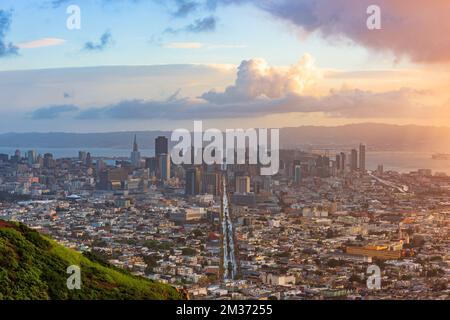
(16,157)
(354,160)
(164,167)
(100,165)
(362,158)
(297,174)
(48,161)
(82,156)
(31,157)
(338,162)
(88,160)
(135,154)
(322,166)
(152,165)
(242,184)
(161,146)
(343,161)
(193,181)
(211,183)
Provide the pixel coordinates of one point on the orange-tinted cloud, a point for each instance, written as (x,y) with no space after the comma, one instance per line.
(414,28)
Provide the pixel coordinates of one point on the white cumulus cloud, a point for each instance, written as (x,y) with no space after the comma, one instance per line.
(255,79)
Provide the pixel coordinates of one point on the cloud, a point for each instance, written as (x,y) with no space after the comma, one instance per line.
(53,112)
(185,7)
(202,25)
(6,48)
(261,90)
(184,45)
(41,43)
(57,3)
(105,41)
(256,79)
(356,104)
(413,28)
(207,24)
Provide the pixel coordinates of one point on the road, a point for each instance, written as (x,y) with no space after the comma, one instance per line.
(229,256)
(400,188)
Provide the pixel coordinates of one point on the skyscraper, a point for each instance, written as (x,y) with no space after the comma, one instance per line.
(135,154)
(362,158)
(48,161)
(243,184)
(193,181)
(82,156)
(343,161)
(211,183)
(152,165)
(354,160)
(161,146)
(297,174)
(31,157)
(338,162)
(164,167)
(88,160)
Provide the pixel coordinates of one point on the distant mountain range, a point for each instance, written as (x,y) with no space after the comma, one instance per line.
(381,137)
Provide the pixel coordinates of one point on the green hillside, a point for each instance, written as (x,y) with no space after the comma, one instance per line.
(34,267)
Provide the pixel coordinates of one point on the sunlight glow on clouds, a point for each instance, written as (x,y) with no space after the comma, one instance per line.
(41,43)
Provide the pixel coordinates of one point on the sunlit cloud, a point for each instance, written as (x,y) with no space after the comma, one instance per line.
(41,43)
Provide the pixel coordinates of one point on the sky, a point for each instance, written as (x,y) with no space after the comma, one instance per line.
(154,64)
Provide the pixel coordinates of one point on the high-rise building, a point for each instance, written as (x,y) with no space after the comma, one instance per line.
(343,161)
(322,166)
(242,184)
(152,165)
(354,160)
(16,157)
(338,162)
(211,183)
(193,181)
(82,156)
(298,174)
(100,165)
(135,154)
(362,158)
(161,146)
(88,160)
(48,161)
(31,157)
(164,167)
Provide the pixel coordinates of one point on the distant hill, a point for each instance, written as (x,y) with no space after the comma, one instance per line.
(33,267)
(116,140)
(382,137)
